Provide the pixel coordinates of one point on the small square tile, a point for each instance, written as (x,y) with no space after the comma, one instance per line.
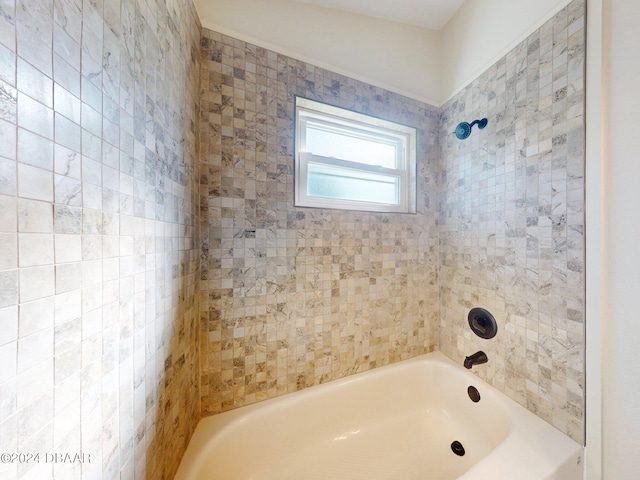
(34,83)
(34,116)
(36,282)
(67,133)
(32,216)
(68,248)
(68,277)
(35,150)
(35,183)
(36,316)
(34,382)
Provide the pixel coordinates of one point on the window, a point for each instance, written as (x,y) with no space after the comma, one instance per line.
(353,161)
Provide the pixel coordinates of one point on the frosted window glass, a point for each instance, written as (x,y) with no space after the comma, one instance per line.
(348,147)
(348,184)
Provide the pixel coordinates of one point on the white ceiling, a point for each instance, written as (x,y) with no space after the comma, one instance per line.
(432,14)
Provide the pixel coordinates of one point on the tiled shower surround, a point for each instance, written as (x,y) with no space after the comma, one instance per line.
(154,268)
(512,221)
(300,296)
(293,297)
(98,252)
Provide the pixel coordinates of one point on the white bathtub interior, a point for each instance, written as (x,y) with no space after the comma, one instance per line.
(393,422)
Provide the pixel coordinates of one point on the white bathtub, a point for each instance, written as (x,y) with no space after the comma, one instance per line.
(393,423)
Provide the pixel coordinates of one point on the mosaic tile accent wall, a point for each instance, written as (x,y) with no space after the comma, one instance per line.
(294,297)
(512,221)
(98,271)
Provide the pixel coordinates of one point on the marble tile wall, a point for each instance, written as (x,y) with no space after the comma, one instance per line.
(512,221)
(98,265)
(293,297)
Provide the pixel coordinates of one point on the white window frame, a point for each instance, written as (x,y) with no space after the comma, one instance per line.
(360,126)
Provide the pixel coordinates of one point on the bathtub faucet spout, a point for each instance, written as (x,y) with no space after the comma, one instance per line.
(475,359)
